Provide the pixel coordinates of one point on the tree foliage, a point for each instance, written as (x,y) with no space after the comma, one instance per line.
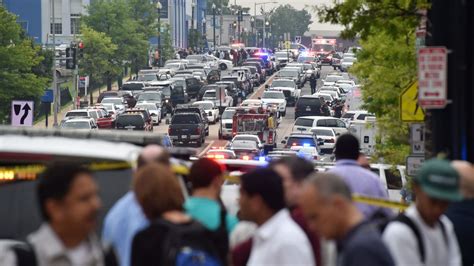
(167,51)
(98,53)
(286,18)
(386,64)
(18,57)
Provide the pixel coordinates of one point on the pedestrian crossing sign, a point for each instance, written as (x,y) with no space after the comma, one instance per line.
(410,110)
(287,45)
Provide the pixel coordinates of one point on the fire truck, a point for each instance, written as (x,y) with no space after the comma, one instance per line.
(324,48)
(254,121)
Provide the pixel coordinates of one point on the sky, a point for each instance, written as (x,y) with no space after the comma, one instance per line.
(298,4)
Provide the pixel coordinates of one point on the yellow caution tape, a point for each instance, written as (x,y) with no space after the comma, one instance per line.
(385,203)
(180,169)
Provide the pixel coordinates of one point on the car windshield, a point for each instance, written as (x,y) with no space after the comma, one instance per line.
(332,78)
(195,57)
(283,83)
(149,97)
(288,73)
(325,96)
(302,59)
(308,101)
(273,95)
(228,114)
(185,119)
(304,122)
(74,114)
(147,77)
(109,107)
(244,144)
(210,94)
(112,100)
(301,141)
(130,120)
(147,106)
(241,137)
(132,87)
(205,106)
(180,82)
(230,79)
(348,115)
(323,47)
(173,65)
(76,125)
(322,132)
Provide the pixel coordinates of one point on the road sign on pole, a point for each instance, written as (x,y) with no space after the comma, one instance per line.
(432,77)
(240,75)
(297,39)
(414,164)
(22,113)
(417,138)
(410,111)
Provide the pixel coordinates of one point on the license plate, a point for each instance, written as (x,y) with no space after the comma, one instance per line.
(184,136)
(308,108)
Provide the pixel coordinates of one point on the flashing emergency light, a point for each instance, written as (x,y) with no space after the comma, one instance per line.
(262,159)
(306,145)
(245,158)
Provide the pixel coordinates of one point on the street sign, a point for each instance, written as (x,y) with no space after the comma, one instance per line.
(417,138)
(240,75)
(297,39)
(287,45)
(22,113)
(410,111)
(48,96)
(414,164)
(432,75)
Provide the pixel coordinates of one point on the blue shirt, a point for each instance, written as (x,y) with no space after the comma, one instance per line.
(208,212)
(363,182)
(121,224)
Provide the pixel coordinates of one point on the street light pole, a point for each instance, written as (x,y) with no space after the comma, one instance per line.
(252,21)
(158,7)
(193,5)
(214,23)
(255,13)
(55,85)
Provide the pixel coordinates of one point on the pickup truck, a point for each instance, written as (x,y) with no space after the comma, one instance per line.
(186,128)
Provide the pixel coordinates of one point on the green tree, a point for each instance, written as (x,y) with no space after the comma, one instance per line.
(386,64)
(287,19)
(114,18)
(98,60)
(219,4)
(167,51)
(146,14)
(18,58)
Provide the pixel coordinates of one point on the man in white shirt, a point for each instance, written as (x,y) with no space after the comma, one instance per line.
(428,237)
(278,239)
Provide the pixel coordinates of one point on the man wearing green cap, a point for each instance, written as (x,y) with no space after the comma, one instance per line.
(424,236)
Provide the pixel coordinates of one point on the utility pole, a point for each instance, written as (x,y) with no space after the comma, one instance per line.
(55,85)
(239,17)
(450,130)
(214,24)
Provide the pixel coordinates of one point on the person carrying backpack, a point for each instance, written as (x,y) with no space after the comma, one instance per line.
(204,205)
(69,203)
(423,235)
(173,237)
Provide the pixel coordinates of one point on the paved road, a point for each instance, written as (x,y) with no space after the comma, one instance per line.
(283,130)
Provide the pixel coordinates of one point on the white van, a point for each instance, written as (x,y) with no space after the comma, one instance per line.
(306,123)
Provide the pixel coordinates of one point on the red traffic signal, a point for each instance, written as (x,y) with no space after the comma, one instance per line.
(81,45)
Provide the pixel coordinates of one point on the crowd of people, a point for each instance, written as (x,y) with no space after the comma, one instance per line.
(289,215)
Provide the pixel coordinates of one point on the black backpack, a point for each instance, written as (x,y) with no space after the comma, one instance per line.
(26,255)
(189,245)
(402,218)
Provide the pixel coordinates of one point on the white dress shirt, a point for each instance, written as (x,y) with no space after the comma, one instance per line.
(280,241)
(402,243)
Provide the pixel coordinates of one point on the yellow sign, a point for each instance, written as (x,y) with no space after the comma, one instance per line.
(287,45)
(410,110)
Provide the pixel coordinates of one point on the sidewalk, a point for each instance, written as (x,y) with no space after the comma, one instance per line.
(70,106)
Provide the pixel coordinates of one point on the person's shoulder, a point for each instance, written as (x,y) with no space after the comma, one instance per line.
(396,230)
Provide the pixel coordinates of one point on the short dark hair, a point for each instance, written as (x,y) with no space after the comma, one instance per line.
(328,184)
(347,147)
(55,182)
(266,183)
(300,168)
(203,172)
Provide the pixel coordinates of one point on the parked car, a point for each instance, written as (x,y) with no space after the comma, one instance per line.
(155,112)
(225,129)
(132,121)
(308,105)
(276,98)
(328,135)
(289,89)
(197,110)
(306,123)
(186,128)
(79,123)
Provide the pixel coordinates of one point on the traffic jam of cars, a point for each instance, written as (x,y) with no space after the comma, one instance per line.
(256,111)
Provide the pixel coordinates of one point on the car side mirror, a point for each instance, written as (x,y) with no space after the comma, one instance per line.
(266,86)
(283,142)
(338,134)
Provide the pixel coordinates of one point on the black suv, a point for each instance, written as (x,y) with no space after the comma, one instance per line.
(186,128)
(132,121)
(197,110)
(308,105)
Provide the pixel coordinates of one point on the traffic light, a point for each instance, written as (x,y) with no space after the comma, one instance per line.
(81,49)
(71,58)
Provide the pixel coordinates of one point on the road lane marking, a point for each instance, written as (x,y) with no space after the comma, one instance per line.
(206,149)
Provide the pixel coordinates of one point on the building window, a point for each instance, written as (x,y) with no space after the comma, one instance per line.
(56,28)
(75,24)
